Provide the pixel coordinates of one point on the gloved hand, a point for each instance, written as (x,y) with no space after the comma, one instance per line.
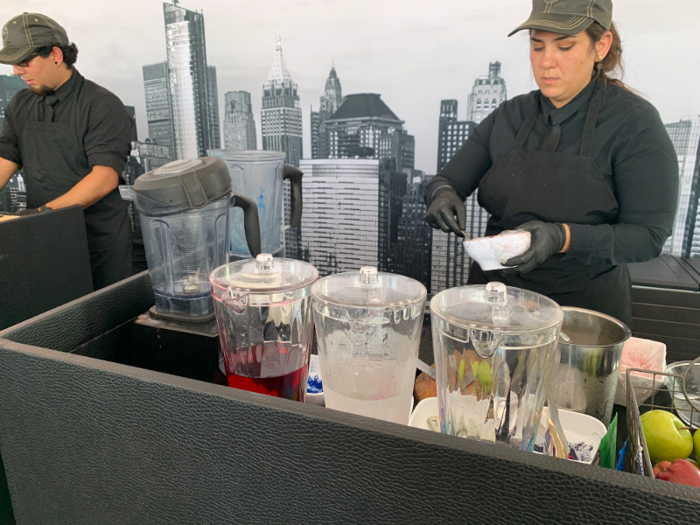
(445,205)
(33,211)
(548,238)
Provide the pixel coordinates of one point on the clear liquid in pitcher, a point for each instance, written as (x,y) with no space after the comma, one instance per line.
(494,397)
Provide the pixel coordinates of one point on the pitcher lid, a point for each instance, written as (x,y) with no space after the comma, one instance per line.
(195,182)
(368,288)
(496,306)
(264,274)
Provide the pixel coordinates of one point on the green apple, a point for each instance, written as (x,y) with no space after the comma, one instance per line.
(696,440)
(665,441)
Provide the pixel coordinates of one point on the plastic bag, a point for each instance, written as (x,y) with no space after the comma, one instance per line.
(645,354)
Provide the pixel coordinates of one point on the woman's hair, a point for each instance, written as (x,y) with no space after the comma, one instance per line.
(612,68)
(70,53)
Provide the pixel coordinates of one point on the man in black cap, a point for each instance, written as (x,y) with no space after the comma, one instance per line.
(70,136)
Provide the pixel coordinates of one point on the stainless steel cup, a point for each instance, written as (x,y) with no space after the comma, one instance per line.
(585,372)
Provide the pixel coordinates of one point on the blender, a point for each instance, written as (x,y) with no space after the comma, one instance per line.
(263,310)
(184,210)
(368,327)
(494,348)
(259,175)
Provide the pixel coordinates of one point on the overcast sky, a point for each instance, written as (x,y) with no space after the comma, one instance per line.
(413,53)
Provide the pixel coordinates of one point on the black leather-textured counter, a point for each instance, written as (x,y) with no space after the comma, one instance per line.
(44,262)
(86,440)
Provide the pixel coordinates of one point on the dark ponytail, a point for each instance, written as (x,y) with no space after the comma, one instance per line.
(612,67)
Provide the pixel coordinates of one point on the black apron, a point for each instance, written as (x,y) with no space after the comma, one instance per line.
(557,187)
(54,161)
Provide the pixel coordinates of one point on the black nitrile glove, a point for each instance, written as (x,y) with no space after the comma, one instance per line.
(33,211)
(445,205)
(548,238)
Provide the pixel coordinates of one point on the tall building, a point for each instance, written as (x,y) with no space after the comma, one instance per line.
(281,131)
(281,114)
(213,107)
(239,123)
(487,94)
(131,111)
(348,209)
(151,155)
(412,252)
(11,196)
(9,86)
(192,83)
(330,101)
(685,239)
(450,263)
(365,127)
(159,111)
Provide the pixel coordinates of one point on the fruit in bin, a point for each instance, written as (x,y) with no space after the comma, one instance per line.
(680,471)
(696,448)
(667,436)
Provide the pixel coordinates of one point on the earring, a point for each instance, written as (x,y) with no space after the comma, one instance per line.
(56,63)
(600,58)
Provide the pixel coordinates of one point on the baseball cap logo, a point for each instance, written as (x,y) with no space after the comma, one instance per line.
(5,33)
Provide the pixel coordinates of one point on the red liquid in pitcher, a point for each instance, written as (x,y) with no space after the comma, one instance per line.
(274,369)
(290,386)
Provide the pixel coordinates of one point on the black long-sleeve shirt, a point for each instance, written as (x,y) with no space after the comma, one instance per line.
(631,148)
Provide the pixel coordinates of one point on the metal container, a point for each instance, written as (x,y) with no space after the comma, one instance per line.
(585,372)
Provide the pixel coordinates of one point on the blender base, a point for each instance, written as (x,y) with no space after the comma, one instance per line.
(185,349)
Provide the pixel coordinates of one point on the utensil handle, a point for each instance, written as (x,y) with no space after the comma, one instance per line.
(251,223)
(294,176)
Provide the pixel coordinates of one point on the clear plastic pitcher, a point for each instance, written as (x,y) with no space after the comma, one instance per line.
(259,176)
(368,327)
(184,212)
(263,310)
(494,347)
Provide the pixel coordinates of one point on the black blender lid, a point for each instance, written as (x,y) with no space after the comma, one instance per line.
(195,182)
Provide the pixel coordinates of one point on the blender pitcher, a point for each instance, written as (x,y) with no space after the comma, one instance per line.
(263,310)
(494,347)
(184,210)
(259,175)
(368,327)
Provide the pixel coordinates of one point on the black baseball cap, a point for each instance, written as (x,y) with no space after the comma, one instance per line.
(26,33)
(567,17)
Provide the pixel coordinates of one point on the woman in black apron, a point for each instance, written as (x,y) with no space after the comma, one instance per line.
(583,164)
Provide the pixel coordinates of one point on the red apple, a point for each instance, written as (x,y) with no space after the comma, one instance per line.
(680,471)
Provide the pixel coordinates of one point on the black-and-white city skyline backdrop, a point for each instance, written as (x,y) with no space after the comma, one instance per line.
(429,64)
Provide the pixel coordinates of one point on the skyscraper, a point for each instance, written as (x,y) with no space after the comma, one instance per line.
(685,239)
(159,111)
(281,131)
(487,94)
(347,218)
(450,263)
(14,194)
(281,113)
(330,101)
(192,84)
(412,251)
(365,127)
(239,124)
(213,108)
(9,85)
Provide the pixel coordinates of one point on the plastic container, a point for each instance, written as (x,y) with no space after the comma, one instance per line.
(259,175)
(263,310)
(368,327)
(184,212)
(494,346)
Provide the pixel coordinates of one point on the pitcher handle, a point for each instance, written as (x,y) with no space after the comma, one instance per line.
(294,175)
(251,223)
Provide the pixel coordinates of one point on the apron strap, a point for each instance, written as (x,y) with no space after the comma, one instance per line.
(592,118)
(527,126)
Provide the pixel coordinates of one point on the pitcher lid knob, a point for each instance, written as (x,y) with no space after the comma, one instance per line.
(264,262)
(368,275)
